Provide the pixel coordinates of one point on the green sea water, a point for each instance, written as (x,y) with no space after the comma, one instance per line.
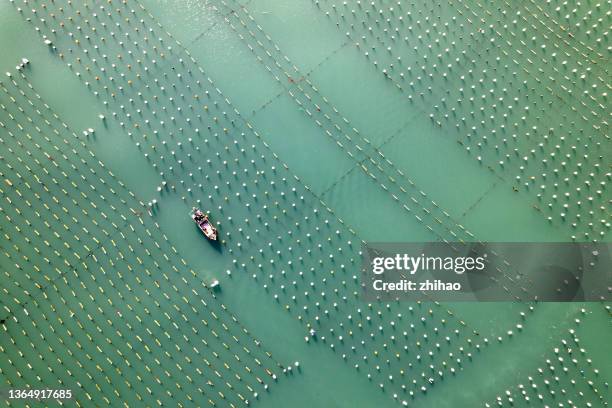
(307,96)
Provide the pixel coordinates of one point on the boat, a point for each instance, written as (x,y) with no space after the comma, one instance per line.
(202,221)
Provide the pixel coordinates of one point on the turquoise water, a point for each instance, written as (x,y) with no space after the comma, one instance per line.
(298,137)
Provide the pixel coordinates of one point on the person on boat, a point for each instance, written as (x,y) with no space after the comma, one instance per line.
(199,216)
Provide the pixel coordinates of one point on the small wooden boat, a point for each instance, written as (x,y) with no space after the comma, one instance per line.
(204,224)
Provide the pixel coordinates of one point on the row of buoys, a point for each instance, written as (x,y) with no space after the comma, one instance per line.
(567,377)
